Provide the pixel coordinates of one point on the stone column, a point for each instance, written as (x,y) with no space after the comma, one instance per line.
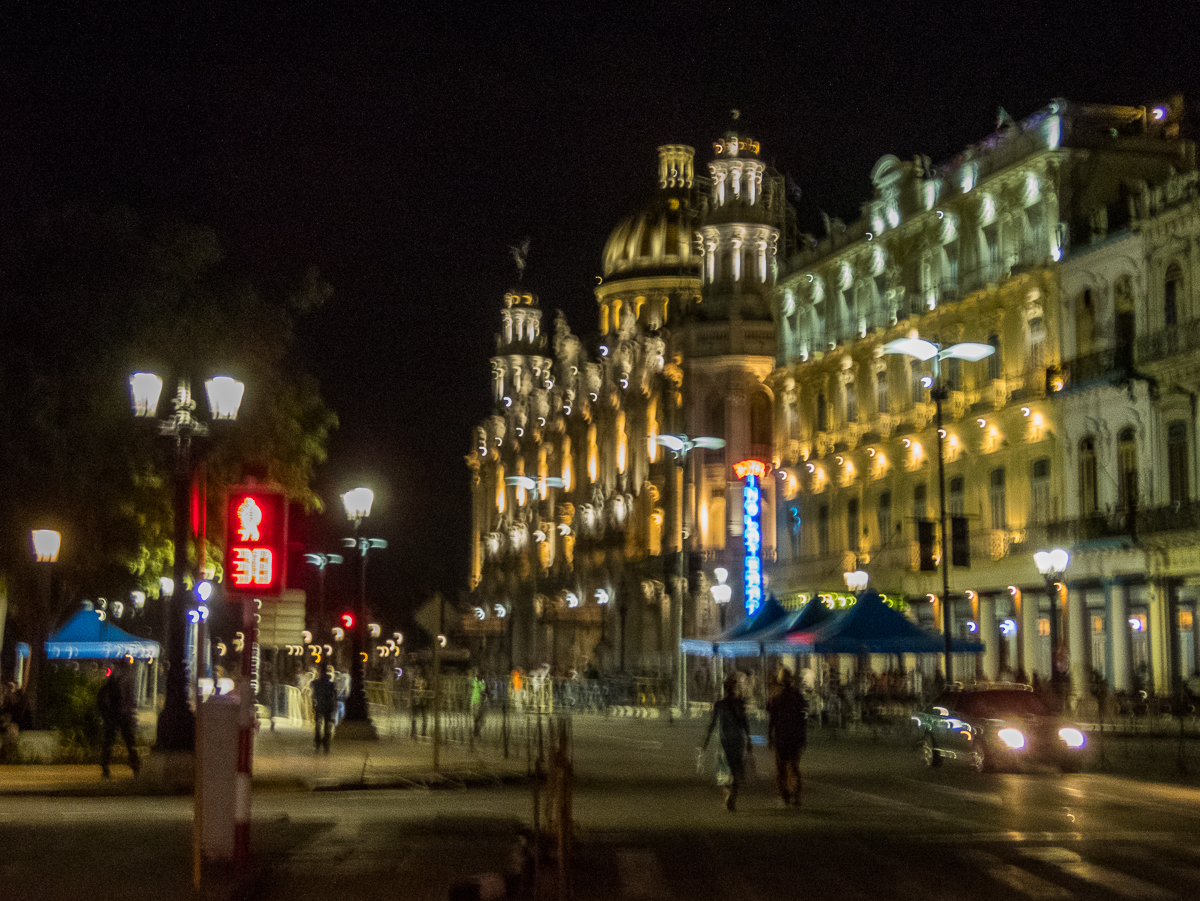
(1159,637)
(1116,602)
(1079,645)
(989,634)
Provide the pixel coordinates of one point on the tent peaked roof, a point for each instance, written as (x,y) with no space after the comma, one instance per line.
(91,635)
(872,627)
(746,633)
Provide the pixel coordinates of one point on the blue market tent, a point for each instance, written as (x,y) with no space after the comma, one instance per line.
(89,635)
(872,627)
(770,614)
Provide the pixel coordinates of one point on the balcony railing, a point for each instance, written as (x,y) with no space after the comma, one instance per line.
(1105,367)
(1170,341)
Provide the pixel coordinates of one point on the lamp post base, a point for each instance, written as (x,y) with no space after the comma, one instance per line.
(176,729)
(357,730)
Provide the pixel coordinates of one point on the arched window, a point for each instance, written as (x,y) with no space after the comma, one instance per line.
(1124,321)
(954,374)
(1039,491)
(997,494)
(1037,344)
(1089,503)
(1177,461)
(881,392)
(851,401)
(995,363)
(1127,486)
(1171,291)
(822,413)
(1085,323)
(915,375)
(958,499)
(853,527)
(920,510)
(883,516)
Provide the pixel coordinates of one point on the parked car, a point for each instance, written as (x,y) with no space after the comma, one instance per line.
(994,727)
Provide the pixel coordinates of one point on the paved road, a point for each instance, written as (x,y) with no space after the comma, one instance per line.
(874,824)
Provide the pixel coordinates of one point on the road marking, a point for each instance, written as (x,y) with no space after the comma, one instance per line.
(1112,880)
(992,798)
(1016,878)
(641,876)
(882,801)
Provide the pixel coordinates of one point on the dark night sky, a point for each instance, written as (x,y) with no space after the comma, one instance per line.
(402,150)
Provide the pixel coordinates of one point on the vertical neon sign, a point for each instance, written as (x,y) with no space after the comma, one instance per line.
(752,471)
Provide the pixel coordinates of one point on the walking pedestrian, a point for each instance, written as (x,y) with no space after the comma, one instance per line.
(787,736)
(478,701)
(118,713)
(729,715)
(324,701)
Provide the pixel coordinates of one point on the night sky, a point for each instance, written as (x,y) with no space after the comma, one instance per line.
(403,150)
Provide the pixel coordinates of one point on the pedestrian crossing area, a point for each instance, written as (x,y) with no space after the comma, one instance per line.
(1153,867)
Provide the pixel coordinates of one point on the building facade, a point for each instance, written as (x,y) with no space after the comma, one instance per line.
(1067,242)
(1045,241)
(583,562)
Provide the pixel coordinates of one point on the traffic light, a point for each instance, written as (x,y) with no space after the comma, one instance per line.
(256,541)
(960,541)
(347,621)
(925,541)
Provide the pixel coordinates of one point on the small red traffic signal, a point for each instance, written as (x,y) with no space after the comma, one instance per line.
(348,620)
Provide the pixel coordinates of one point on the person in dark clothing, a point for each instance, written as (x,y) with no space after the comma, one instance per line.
(787,736)
(324,699)
(118,713)
(729,714)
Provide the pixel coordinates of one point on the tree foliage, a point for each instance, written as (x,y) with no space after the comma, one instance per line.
(91,296)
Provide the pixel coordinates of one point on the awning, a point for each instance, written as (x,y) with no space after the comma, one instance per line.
(872,627)
(90,635)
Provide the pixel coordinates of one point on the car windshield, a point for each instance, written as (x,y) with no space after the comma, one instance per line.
(1000,704)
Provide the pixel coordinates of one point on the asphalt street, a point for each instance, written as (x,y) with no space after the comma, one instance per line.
(874,824)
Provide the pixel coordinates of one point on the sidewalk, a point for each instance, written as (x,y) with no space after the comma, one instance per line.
(284,760)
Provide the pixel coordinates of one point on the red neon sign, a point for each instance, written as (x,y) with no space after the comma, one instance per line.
(255,542)
(751,468)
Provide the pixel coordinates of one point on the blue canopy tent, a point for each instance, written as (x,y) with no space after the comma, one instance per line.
(90,635)
(744,633)
(872,627)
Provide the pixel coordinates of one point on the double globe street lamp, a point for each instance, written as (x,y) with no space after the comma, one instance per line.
(920,349)
(357,722)
(680,446)
(1053,566)
(176,722)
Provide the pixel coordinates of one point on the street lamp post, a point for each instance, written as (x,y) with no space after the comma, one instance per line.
(721,593)
(176,722)
(357,722)
(536,536)
(924,350)
(46,545)
(321,562)
(680,446)
(1053,566)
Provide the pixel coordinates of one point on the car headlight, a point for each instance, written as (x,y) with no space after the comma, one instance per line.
(1072,737)
(1012,737)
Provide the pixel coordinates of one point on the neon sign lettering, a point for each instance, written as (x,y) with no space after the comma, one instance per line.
(752,534)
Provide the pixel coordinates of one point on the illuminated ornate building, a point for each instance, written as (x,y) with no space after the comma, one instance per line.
(1066,242)
(581,562)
